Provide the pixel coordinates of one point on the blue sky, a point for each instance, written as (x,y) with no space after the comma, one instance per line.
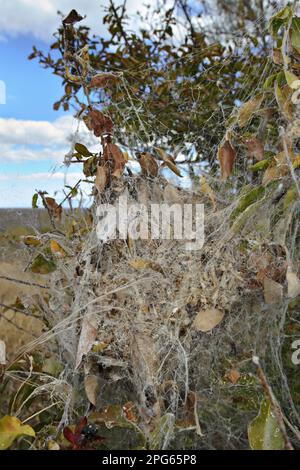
(33,137)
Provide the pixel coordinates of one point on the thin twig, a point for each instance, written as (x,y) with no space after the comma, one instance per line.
(26,283)
(74,187)
(19,310)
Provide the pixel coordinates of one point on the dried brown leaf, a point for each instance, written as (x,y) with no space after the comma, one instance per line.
(168,161)
(272,291)
(101,178)
(88,334)
(140,263)
(103,80)
(233,375)
(255,148)
(226,156)
(248,109)
(72,18)
(206,320)
(92,388)
(114,154)
(148,164)
(98,123)
(54,208)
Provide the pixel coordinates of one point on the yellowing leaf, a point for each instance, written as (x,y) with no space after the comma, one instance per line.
(248,109)
(34,201)
(31,241)
(295,34)
(100,346)
(140,263)
(263,431)
(296,162)
(277,169)
(56,249)
(52,445)
(10,429)
(283,98)
(206,189)
(206,320)
(292,80)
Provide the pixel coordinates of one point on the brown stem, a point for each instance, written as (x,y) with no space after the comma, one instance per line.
(26,283)
(19,310)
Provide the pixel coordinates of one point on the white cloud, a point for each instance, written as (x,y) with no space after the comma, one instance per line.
(25,144)
(17,190)
(14,131)
(42,176)
(24,140)
(40,19)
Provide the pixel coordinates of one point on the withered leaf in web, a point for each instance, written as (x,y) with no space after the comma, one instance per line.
(103,80)
(98,123)
(226,155)
(114,154)
(101,178)
(255,148)
(168,161)
(148,164)
(72,18)
(54,208)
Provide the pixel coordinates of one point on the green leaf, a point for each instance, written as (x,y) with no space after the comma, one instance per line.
(34,201)
(10,429)
(73,191)
(252,196)
(80,148)
(279,77)
(295,34)
(270,81)
(262,165)
(278,20)
(90,166)
(263,431)
(41,265)
(284,14)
